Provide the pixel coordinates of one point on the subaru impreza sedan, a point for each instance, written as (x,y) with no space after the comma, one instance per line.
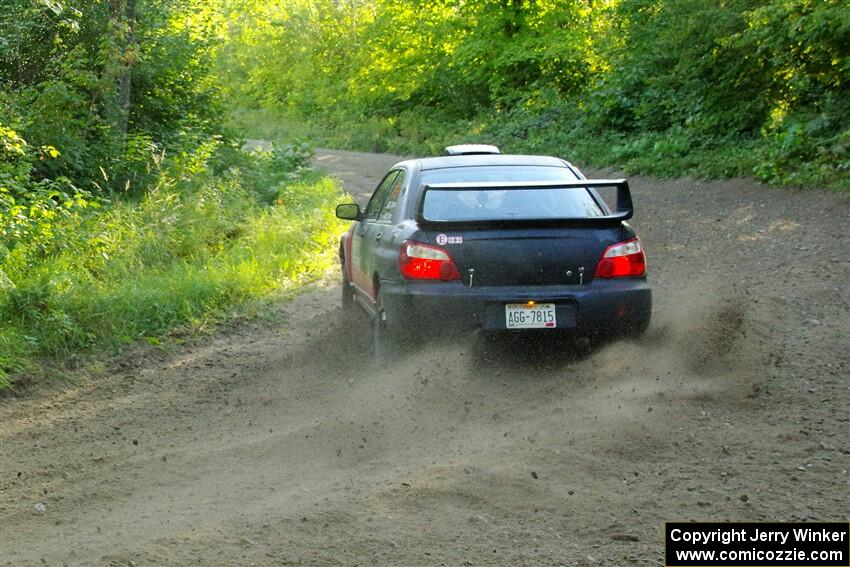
(503,243)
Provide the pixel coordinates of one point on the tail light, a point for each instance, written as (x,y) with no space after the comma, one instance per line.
(622,260)
(418,261)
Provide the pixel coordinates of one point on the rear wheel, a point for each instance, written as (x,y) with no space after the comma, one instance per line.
(634,330)
(392,337)
(638,329)
(637,325)
(383,345)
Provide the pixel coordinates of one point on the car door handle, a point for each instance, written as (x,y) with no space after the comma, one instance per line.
(379,235)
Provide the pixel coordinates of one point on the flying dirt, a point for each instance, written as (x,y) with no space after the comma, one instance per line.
(278,441)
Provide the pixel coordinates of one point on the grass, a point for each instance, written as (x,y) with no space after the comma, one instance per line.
(185,254)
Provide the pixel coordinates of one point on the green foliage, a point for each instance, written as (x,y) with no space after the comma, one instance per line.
(33,213)
(739,87)
(108,84)
(219,228)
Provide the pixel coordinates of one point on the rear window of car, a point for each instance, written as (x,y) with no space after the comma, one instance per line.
(461,204)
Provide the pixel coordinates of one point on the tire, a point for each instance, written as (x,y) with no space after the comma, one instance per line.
(596,341)
(383,346)
(349,309)
(639,329)
(488,346)
(633,331)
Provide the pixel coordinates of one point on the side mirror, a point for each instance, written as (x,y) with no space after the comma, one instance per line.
(349,211)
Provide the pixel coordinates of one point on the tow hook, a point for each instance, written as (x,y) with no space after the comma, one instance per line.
(471,272)
(580,275)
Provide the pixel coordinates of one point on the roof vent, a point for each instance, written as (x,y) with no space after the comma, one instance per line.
(471,150)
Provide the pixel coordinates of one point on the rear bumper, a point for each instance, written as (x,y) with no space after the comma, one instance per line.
(602,306)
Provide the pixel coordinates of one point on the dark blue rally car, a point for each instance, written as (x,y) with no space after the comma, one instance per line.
(512,243)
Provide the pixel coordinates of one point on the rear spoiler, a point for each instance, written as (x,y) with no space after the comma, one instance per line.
(624,211)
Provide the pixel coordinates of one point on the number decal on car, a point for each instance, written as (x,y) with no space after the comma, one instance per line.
(443,239)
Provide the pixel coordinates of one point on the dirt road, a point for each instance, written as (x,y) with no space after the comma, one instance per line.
(276,444)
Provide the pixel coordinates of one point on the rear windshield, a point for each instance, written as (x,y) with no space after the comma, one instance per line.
(453,205)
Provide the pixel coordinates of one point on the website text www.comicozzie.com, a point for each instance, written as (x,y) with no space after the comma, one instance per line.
(776,555)
(757,544)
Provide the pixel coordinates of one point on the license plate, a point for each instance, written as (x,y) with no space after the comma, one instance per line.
(530,316)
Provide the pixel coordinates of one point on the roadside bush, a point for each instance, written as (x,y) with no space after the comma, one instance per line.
(207,236)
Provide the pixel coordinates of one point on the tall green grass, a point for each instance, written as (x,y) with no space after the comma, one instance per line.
(195,245)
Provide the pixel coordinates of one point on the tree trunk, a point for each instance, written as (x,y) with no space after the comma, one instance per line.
(124,25)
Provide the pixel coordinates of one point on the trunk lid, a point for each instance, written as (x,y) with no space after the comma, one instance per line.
(526,256)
